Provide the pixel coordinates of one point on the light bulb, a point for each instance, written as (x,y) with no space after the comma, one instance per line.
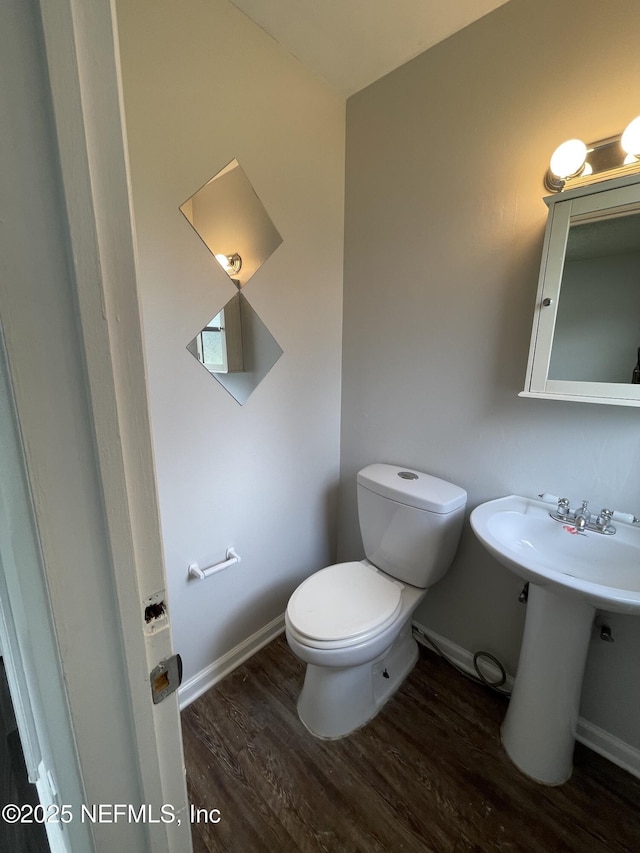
(630,139)
(231,264)
(568,159)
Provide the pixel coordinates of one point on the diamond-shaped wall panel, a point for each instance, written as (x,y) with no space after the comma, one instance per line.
(232,222)
(236,348)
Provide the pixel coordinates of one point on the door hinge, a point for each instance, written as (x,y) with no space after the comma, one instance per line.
(165,678)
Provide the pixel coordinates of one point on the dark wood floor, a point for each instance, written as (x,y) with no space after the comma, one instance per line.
(428,774)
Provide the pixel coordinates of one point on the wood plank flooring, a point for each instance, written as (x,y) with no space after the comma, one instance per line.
(428,775)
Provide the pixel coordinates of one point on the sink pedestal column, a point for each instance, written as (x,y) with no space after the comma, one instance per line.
(538,732)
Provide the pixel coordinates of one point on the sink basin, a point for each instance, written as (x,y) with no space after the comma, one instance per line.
(603,570)
(571,573)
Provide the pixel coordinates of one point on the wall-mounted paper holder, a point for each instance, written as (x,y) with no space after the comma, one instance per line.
(231,559)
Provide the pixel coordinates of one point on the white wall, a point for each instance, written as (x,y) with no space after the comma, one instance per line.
(443,236)
(203,85)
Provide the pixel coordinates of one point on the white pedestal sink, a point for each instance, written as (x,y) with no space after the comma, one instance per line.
(571,574)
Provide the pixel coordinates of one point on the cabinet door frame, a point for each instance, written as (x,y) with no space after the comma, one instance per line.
(578,205)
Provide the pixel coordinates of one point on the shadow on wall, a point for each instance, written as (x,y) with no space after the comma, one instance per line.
(476,577)
(516,308)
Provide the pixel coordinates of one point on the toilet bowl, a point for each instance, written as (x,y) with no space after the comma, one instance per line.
(351,622)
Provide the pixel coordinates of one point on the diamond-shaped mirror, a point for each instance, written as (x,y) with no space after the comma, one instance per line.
(232,222)
(236,348)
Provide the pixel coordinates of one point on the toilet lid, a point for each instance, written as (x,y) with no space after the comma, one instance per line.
(342,602)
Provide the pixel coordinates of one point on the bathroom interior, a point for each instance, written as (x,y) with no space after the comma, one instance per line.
(401,296)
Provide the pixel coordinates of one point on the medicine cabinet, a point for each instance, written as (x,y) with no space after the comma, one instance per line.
(585,342)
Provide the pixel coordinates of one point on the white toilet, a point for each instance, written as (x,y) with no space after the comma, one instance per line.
(351,622)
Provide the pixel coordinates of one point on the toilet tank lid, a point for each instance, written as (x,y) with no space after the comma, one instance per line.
(412,488)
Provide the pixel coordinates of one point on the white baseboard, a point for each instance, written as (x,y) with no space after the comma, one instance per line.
(597,739)
(210,675)
(609,746)
(461,657)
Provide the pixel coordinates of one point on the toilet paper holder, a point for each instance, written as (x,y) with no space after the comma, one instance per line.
(200,574)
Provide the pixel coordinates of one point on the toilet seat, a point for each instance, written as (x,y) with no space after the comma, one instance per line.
(343,605)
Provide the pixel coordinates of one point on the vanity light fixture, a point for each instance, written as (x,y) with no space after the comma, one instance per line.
(574,163)
(231,264)
(630,141)
(567,161)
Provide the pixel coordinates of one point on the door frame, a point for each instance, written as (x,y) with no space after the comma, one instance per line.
(124,576)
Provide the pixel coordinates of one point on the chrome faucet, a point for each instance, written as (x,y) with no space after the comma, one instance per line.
(582,516)
(582,519)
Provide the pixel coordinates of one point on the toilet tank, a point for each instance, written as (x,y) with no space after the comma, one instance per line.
(410,522)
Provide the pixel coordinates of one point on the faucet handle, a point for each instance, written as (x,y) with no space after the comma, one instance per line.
(563,507)
(603,521)
(627,517)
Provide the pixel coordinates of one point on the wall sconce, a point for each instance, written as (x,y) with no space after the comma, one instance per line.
(574,164)
(231,264)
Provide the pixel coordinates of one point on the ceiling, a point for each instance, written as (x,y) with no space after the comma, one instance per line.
(352,43)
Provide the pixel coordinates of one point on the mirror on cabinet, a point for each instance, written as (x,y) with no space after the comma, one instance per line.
(585,343)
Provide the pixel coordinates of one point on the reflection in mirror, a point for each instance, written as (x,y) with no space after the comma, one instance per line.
(597,332)
(236,348)
(232,222)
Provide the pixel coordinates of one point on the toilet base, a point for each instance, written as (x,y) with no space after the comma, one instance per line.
(336,701)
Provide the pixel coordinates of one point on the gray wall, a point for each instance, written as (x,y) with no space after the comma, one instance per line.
(202,85)
(443,237)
